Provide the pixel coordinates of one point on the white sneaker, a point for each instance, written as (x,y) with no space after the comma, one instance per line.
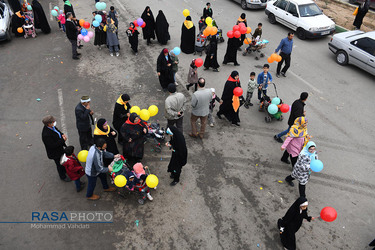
(117,54)
(149,196)
(111,54)
(211,124)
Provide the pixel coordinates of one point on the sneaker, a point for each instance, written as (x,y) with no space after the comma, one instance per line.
(187,87)
(78,54)
(94,197)
(237,64)
(246,106)
(211,124)
(250,104)
(285,161)
(236,124)
(277,75)
(278,139)
(136,53)
(283,74)
(110,189)
(117,54)
(173,183)
(100,48)
(149,197)
(111,54)
(176,83)
(289,182)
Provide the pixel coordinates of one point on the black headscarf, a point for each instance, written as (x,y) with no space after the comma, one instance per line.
(234,74)
(179,145)
(100,124)
(213,39)
(40,19)
(132,117)
(188,18)
(149,30)
(161,28)
(192,64)
(125,97)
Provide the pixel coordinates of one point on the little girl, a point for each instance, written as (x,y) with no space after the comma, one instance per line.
(192,76)
(61,20)
(133,33)
(215,98)
(143,189)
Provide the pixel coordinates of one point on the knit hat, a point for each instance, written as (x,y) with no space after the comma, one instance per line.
(125,97)
(165,51)
(171,88)
(85,98)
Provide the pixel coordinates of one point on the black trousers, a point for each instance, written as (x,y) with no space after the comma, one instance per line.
(178,122)
(176,175)
(60,169)
(301,188)
(74,47)
(286,58)
(85,139)
(195,86)
(285,156)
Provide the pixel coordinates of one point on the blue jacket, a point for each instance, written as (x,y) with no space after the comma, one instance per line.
(285,45)
(94,161)
(261,79)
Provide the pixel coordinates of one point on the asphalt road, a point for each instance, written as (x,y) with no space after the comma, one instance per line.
(229,196)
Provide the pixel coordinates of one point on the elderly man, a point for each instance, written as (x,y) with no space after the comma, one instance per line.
(72,33)
(54,141)
(200,103)
(95,168)
(84,121)
(175,107)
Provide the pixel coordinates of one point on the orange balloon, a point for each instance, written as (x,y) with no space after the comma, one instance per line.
(247,40)
(206,32)
(248,31)
(20,30)
(213,31)
(270,60)
(274,56)
(81,22)
(278,59)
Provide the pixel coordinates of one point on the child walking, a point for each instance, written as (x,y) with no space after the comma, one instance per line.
(251,87)
(264,79)
(192,76)
(61,20)
(133,33)
(211,119)
(73,168)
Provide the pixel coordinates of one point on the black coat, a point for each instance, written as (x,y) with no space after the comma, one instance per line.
(120,115)
(291,223)
(226,108)
(40,19)
(232,47)
(71,30)
(208,62)
(362,11)
(83,118)
(133,39)
(68,8)
(53,143)
(207,12)
(15,5)
(187,39)
(179,153)
(135,148)
(166,76)
(110,140)
(161,28)
(149,30)
(16,23)
(296,111)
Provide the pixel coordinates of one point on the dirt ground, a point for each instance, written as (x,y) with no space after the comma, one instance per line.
(342,14)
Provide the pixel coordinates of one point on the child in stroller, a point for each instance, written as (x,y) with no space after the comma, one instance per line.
(255,44)
(28,27)
(265,102)
(155,135)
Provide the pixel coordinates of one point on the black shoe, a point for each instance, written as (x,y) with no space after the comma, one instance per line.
(239,49)
(206,68)
(173,183)
(237,64)
(219,116)
(171,176)
(289,182)
(187,87)
(277,75)
(246,106)
(78,54)
(283,74)
(80,46)
(224,63)
(67,179)
(215,70)
(235,123)
(250,104)
(278,139)
(75,58)
(285,161)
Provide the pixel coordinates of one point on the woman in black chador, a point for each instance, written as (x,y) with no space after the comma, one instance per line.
(164,69)
(133,33)
(179,153)
(231,54)
(211,56)
(292,221)
(149,30)
(362,11)
(188,36)
(40,19)
(161,28)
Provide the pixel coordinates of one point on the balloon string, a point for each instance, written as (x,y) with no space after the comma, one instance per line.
(149,172)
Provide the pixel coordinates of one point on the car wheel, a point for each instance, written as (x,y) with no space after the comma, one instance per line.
(243,5)
(271,18)
(341,57)
(301,33)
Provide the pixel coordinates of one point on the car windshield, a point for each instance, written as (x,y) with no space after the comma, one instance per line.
(2,7)
(309,10)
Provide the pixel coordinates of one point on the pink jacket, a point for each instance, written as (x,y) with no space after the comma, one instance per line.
(62,18)
(293,145)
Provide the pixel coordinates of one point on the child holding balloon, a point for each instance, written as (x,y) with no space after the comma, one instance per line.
(61,20)
(73,168)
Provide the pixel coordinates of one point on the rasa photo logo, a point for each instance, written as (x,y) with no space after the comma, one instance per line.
(69,219)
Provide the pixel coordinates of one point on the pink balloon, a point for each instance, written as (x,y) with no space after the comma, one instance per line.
(237,34)
(86,39)
(241,25)
(90,34)
(80,37)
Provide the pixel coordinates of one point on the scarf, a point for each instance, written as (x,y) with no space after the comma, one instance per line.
(133,29)
(235,99)
(132,123)
(98,131)
(67,3)
(305,150)
(297,130)
(241,20)
(188,24)
(18,13)
(121,102)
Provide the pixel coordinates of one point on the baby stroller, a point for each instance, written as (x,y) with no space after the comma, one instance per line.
(28,27)
(265,101)
(219,34)
(200,44)
(256,46)
(156,136)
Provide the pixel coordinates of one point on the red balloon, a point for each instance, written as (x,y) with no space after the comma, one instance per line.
(284,108)
(135,23)
(328,214)
(198,62)
(237,34)
(143,25)
(236,28)
(243,30)
(86,25)
(237,91)
(230,34)
(241,25)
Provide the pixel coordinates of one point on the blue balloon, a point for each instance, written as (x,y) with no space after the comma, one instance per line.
(98,6)
(95,23)
(272,109)
(29,7)
(84,32)
(316,165)
(276,100)
(176,51)
(103,5)
(98,18)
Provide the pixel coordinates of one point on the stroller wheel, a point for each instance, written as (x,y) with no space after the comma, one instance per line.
(281,118)
(221,39)
(268,119)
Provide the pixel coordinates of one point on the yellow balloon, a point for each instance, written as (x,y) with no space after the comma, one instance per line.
(209,21)
(152,181)
(135,109)
(144,114)
(153,109)
(120,181)
(82,155)
(186,12)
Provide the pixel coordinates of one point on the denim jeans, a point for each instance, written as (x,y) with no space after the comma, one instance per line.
(283,133)
(92,183)
(78,184)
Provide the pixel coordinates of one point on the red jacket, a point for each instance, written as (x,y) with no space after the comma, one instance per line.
(73,168)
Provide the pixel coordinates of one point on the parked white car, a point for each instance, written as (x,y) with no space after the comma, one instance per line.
(252,4)
(302,16)
(5,19)
(355,47)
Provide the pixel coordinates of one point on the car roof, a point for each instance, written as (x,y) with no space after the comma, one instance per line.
(301,2)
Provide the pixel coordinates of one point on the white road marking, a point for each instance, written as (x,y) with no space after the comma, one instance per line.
(121,5)
(62,115)
(50,14)
(305,82)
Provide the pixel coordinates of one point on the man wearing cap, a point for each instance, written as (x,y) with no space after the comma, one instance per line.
(121,114)
(84,121)
(175,107)
(200,103)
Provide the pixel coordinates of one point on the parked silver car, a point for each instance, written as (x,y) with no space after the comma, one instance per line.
(252,4)
(5,20)
(355,47)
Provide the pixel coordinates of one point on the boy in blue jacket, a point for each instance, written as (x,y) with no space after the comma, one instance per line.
(264,79)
